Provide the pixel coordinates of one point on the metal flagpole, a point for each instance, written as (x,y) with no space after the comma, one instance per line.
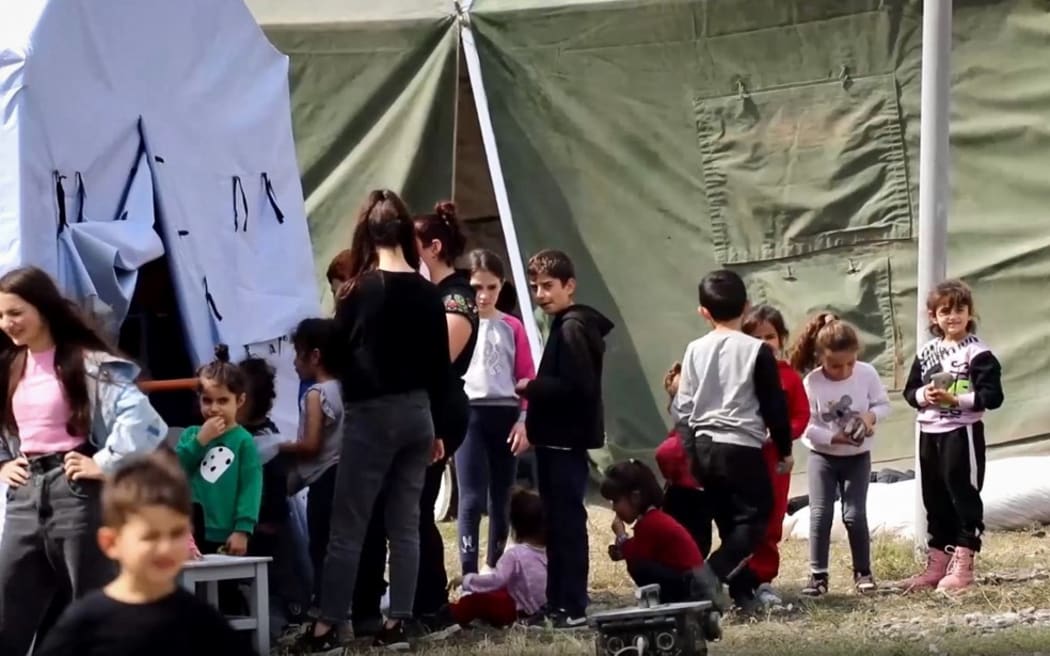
(934,165)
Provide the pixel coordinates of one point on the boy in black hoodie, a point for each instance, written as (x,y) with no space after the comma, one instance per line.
(564,420)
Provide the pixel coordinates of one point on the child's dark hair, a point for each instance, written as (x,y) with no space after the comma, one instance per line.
(956,295)
(261,382)
(629,477)
(442,226)
(223,372)
(823,333)
(316,334)
(482,259)
(156,479)
(553,263)
(761,314)
(526,517)
(671,379)
(723,294)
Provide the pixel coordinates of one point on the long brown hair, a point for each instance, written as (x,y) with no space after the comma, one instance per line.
(382,222)
(823,333)
(72,335)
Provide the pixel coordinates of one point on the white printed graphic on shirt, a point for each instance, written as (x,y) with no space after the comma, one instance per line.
(215,463)
(493,362)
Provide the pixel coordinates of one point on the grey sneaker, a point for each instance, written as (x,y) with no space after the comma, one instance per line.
(865,583)
(767,596)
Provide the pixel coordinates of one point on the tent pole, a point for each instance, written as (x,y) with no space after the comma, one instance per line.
(934,165)
(499,186)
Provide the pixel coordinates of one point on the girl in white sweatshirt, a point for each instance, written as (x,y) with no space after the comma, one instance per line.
(847,399)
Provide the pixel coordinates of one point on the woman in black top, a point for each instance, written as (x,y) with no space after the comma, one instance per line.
(395,373)
(441,242)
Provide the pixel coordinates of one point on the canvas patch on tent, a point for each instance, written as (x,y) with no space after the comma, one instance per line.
(856,288)
(804,168)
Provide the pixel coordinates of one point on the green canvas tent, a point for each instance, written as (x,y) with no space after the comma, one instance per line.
(656,140)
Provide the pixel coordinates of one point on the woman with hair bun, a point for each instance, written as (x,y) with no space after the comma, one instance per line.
(440,242)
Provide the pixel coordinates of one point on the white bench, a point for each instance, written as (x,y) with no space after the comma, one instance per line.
(214,568)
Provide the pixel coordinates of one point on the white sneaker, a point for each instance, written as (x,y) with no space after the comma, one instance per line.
(767,596)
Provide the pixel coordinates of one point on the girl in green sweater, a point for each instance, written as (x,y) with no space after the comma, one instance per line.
(221,461)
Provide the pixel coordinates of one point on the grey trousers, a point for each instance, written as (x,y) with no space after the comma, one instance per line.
(49,545)
(846,477)
(387,446)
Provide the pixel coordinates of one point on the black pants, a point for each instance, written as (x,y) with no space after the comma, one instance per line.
(952,466)
(740,493)
(690,508)
(432,584)
(674,586)
(562,482)
(319,523)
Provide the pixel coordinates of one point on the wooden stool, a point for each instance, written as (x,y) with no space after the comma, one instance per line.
(215,568)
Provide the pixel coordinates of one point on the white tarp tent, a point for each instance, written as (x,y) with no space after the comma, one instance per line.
(131,129)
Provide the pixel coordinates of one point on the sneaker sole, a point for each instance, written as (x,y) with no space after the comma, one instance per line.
(443,634)
(397,646)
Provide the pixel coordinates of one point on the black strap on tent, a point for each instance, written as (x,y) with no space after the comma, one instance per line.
(238,186)
(211,300)
(81,195)
(60,198)
(273,200)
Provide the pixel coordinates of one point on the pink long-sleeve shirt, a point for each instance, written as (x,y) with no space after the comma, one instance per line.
(522,572)
(501,358)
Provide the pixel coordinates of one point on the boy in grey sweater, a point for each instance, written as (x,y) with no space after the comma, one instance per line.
(729,403)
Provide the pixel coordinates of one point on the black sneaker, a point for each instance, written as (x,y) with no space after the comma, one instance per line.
(436,626)
(367,627)
(563,621)
(817,586)
(325,645)
(393,638)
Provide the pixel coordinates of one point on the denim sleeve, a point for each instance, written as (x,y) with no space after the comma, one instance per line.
(130,422)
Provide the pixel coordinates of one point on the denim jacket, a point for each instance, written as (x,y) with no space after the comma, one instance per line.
(122,420)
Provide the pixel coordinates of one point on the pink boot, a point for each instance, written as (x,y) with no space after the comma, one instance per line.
(960,571)
(936,567)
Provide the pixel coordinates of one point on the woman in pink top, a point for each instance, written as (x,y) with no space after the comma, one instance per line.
(486,464)
(71,411)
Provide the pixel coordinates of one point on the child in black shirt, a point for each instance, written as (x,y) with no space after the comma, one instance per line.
(565,419)
(146,529)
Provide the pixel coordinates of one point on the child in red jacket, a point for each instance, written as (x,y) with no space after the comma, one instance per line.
(684,498)
(661,552)
(765,322)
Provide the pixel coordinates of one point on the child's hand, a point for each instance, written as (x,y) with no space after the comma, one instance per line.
(454,583)
(211,430)
(869,420)
(518,440)
(618,528)
(78,466)
(615,553)
(785,465)
(520,386)
(841,438)
(437,453)
(941,397)
(237,544)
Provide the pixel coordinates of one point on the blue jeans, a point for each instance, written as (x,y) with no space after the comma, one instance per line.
(49,547)
(485,470)
(562,486)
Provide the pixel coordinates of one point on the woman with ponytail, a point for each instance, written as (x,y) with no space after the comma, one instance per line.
(392,358)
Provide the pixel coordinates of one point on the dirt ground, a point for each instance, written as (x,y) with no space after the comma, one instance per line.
(1007,613)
